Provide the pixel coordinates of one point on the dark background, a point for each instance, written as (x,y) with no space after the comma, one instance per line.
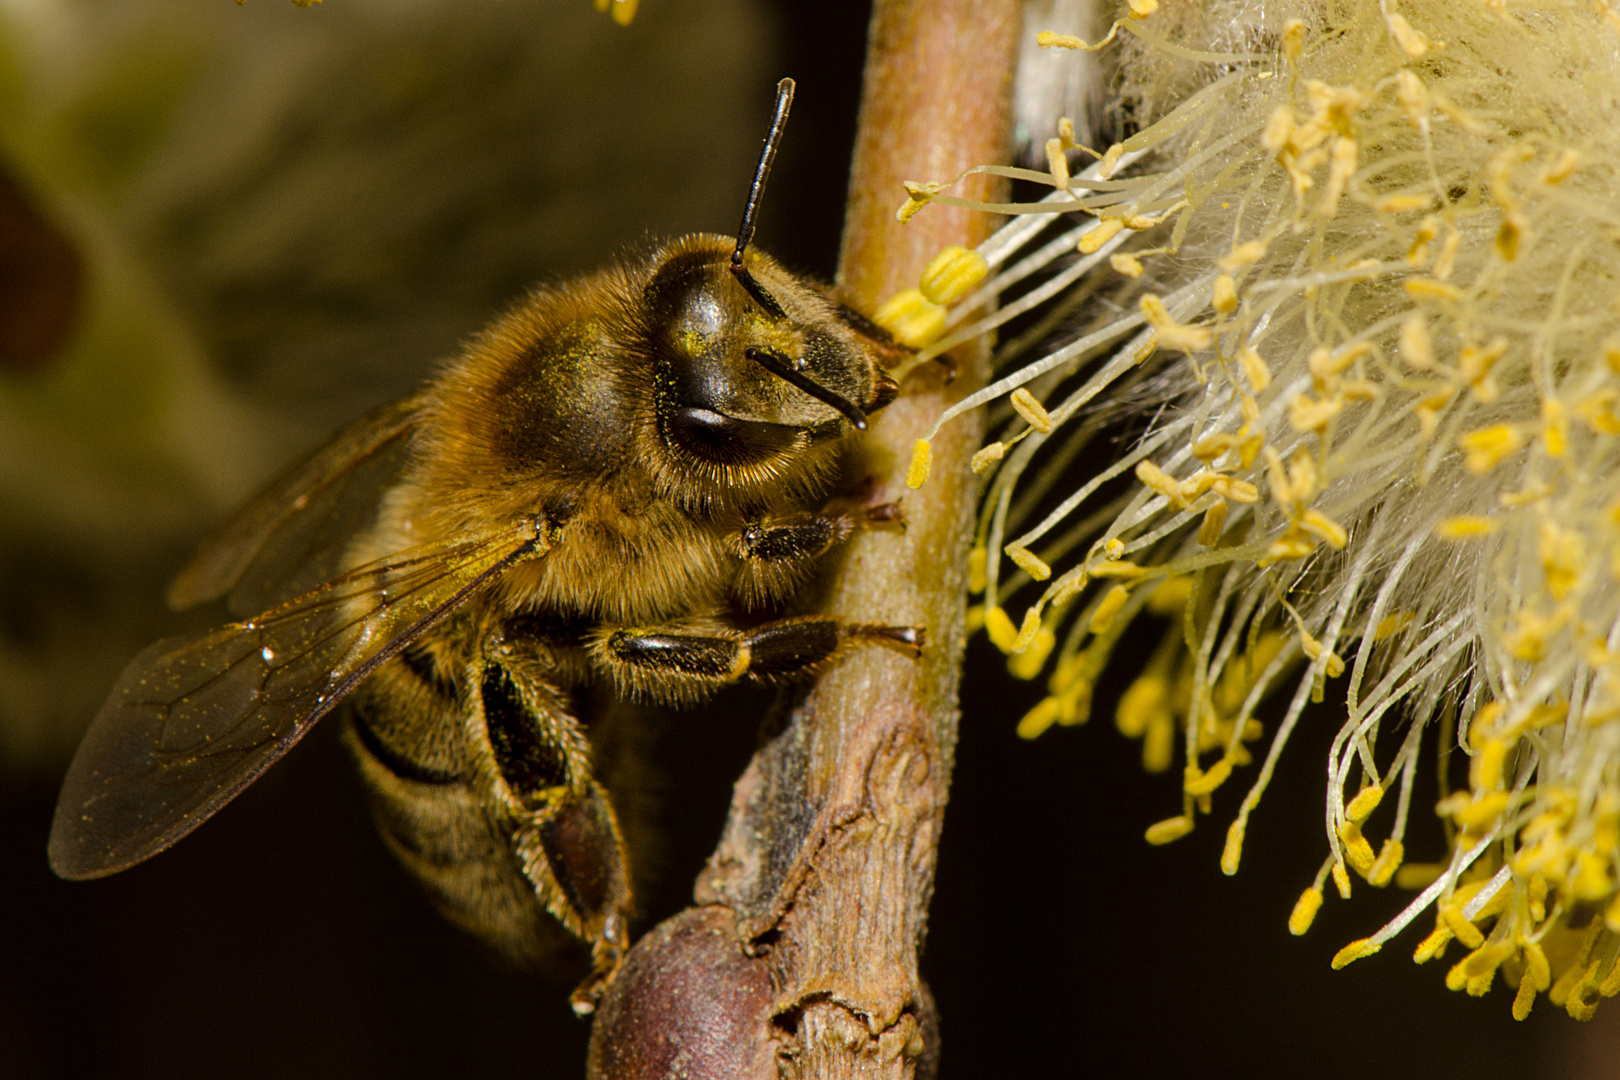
(281,939)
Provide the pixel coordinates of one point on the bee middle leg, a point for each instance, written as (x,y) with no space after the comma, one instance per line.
(675,663)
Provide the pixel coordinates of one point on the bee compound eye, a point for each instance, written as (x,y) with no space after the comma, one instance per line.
(727,440)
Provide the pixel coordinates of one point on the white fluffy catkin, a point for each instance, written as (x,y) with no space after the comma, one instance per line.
(1362,278)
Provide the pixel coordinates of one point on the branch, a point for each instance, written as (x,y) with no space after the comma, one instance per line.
(802,959)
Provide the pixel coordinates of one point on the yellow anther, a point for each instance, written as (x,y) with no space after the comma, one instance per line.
(1525,999)
(1026,630)
(1466,527)
(1457,977)
(1159,744)
(978,562)
(1390,625)
(1536,967)
(1341,880)
(1431,946)
(1412,43)
(1211,447)
(1051,39)
(1029,663)
(1223,297)
(1099,234)
(1418,253)
(1357,852)
(1143,701)
(1341,168)
(1416,347)
(1232,852)
(1057,163)
(1448,254)
(1487,447)
(1325,528)
(1314,650)
(1306,413)
(1195,485)
(1388,861)
(1293,39)
(1171,334)
(1110,160)
(1365,802)
(1170,598)
(911,318)
(1414,97)
(1038,719)
(998,626)
(1239,491)
(1141,9)
(1113,547)
(1510,235)
(1488,765)
(922,458)
(1431,289)
(1353,952)
(1465,931)
(1254,369)
(1112,602)
(1163,832)
(1197,782)
(1401,203)
(988,456)
(1486,959)
(1029,562)
(1033,412)
(1598,411)
(1560,169)
(1611,916)
(1305,909)
(952,274)
(1481,812)
(973,621)
(1161,482)
(1245,254)
(917,197)
(1279,130)
(1126,263)
(1293,544)
(1563,558)
(1210,530)
(1128,571)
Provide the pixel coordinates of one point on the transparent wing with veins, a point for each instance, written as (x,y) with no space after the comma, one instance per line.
(194,720)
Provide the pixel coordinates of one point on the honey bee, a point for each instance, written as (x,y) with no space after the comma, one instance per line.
(587,494)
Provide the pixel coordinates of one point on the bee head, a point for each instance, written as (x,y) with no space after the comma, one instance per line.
(755,363)
(741,380)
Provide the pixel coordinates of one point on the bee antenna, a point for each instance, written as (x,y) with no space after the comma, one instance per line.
(745,231)
(783,368)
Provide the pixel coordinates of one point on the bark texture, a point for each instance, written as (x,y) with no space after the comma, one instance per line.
(819,889)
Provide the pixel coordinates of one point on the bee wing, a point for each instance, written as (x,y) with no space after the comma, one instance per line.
(328,492)
(194,720)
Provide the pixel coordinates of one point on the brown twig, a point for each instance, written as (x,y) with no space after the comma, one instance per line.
(802,959)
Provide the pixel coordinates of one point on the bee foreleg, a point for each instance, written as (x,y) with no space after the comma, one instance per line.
(676,665)
(778,555)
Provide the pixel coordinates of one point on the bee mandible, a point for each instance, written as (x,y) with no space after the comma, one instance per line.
(586,494)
